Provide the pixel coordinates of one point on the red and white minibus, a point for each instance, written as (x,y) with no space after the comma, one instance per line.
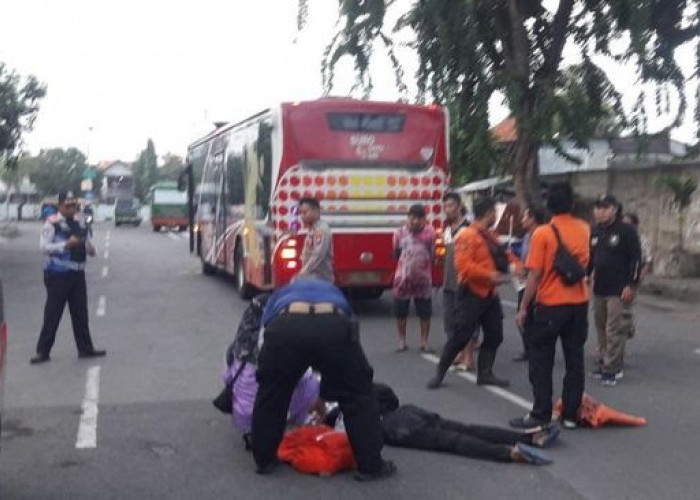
(366,162)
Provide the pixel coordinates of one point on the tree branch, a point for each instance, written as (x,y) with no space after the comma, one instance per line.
(559,31)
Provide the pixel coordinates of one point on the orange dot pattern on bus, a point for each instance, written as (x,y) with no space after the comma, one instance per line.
(362,193)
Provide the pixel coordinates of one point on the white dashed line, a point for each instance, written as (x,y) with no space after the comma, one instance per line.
(509,303)
(106,244)
(106,256)
(172,236)
(507,395)
(87,430)
(105,271)
(108,235)
(102,306)
(697,351)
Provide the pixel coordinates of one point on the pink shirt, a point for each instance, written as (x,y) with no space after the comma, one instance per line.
(413,277)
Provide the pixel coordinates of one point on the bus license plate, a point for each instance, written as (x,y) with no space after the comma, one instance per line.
(363,278)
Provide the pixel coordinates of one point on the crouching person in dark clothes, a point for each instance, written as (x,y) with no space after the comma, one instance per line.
(309,323)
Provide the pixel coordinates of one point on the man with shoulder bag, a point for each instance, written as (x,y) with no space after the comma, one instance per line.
(482,266)
(557,261)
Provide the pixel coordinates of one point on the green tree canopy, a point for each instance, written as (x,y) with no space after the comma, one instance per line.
(19,105)
(468,50)
(58,170)
(145,171)
(171,168)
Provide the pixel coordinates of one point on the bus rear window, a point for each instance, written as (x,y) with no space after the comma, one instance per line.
(365,122)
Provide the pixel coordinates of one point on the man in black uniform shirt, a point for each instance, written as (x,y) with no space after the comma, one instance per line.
(308,323)
(616,263)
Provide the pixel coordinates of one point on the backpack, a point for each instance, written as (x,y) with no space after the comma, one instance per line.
(498,253)
(565,264)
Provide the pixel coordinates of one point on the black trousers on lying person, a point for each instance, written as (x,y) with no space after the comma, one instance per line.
(326,342)
(65,287)
(570,322)
(413,427)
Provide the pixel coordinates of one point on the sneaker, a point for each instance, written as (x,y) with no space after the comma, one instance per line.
(609,380)
(528,422)
(547,436)
(530,455)
(388,468)
(568,424)
(619,375)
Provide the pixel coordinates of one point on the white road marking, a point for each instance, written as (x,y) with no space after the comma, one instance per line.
(172,236)
(108,235)
(107,245)
(105,271)
(185,235)
(697,351)
(102,306)
(509,303)
(507,395)
(106,256)
(87,430)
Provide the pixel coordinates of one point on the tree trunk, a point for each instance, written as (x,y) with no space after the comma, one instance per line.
(525,170)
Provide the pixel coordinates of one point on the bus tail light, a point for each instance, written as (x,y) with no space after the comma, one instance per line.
(288,254)
(292,264)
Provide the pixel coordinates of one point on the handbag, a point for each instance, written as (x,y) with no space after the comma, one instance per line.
(224,401)
(498,254)
(566,265)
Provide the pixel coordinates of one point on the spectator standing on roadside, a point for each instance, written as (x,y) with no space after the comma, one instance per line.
(533,217)
(414,248)
(561,308)
(616,264)
(317,254)
(454,223)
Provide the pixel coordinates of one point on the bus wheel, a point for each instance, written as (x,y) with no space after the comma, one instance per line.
(181,228)
(156,229)
(207,269)
(245,289)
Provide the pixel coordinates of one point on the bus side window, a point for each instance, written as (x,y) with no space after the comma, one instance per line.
(235,166)
(264,181)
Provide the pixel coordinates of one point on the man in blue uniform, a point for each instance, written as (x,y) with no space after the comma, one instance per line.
(309,323)
(65,239)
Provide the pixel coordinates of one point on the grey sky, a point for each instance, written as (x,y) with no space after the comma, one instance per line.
(167,69)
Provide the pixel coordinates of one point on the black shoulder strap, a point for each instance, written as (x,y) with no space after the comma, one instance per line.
(556,233)
(238,372)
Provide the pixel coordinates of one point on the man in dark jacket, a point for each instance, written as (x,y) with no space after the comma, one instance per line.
(410,426)
(616,264)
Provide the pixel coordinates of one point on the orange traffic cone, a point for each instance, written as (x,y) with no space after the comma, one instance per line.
(595,414)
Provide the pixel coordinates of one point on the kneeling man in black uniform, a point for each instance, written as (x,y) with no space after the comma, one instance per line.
(309,323)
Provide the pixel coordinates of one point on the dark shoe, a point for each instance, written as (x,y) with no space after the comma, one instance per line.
(402,349)
(528,422)
(608,380)
(387,469)
(39,358)
(547,436)
(95,353)
(427,350)
(491,379)
(530,455)
(267,468)
(435,382)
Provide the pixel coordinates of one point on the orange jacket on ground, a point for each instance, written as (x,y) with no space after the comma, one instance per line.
(317,449)
(473,260)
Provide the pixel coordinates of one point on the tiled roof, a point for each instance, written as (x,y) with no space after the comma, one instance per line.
(506,131)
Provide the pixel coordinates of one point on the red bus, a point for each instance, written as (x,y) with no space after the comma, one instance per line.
(366,162)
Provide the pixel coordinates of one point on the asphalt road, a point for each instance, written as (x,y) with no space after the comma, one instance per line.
(166,327)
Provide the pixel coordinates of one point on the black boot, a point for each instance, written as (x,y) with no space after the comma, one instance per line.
(485,376)
(436,381)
